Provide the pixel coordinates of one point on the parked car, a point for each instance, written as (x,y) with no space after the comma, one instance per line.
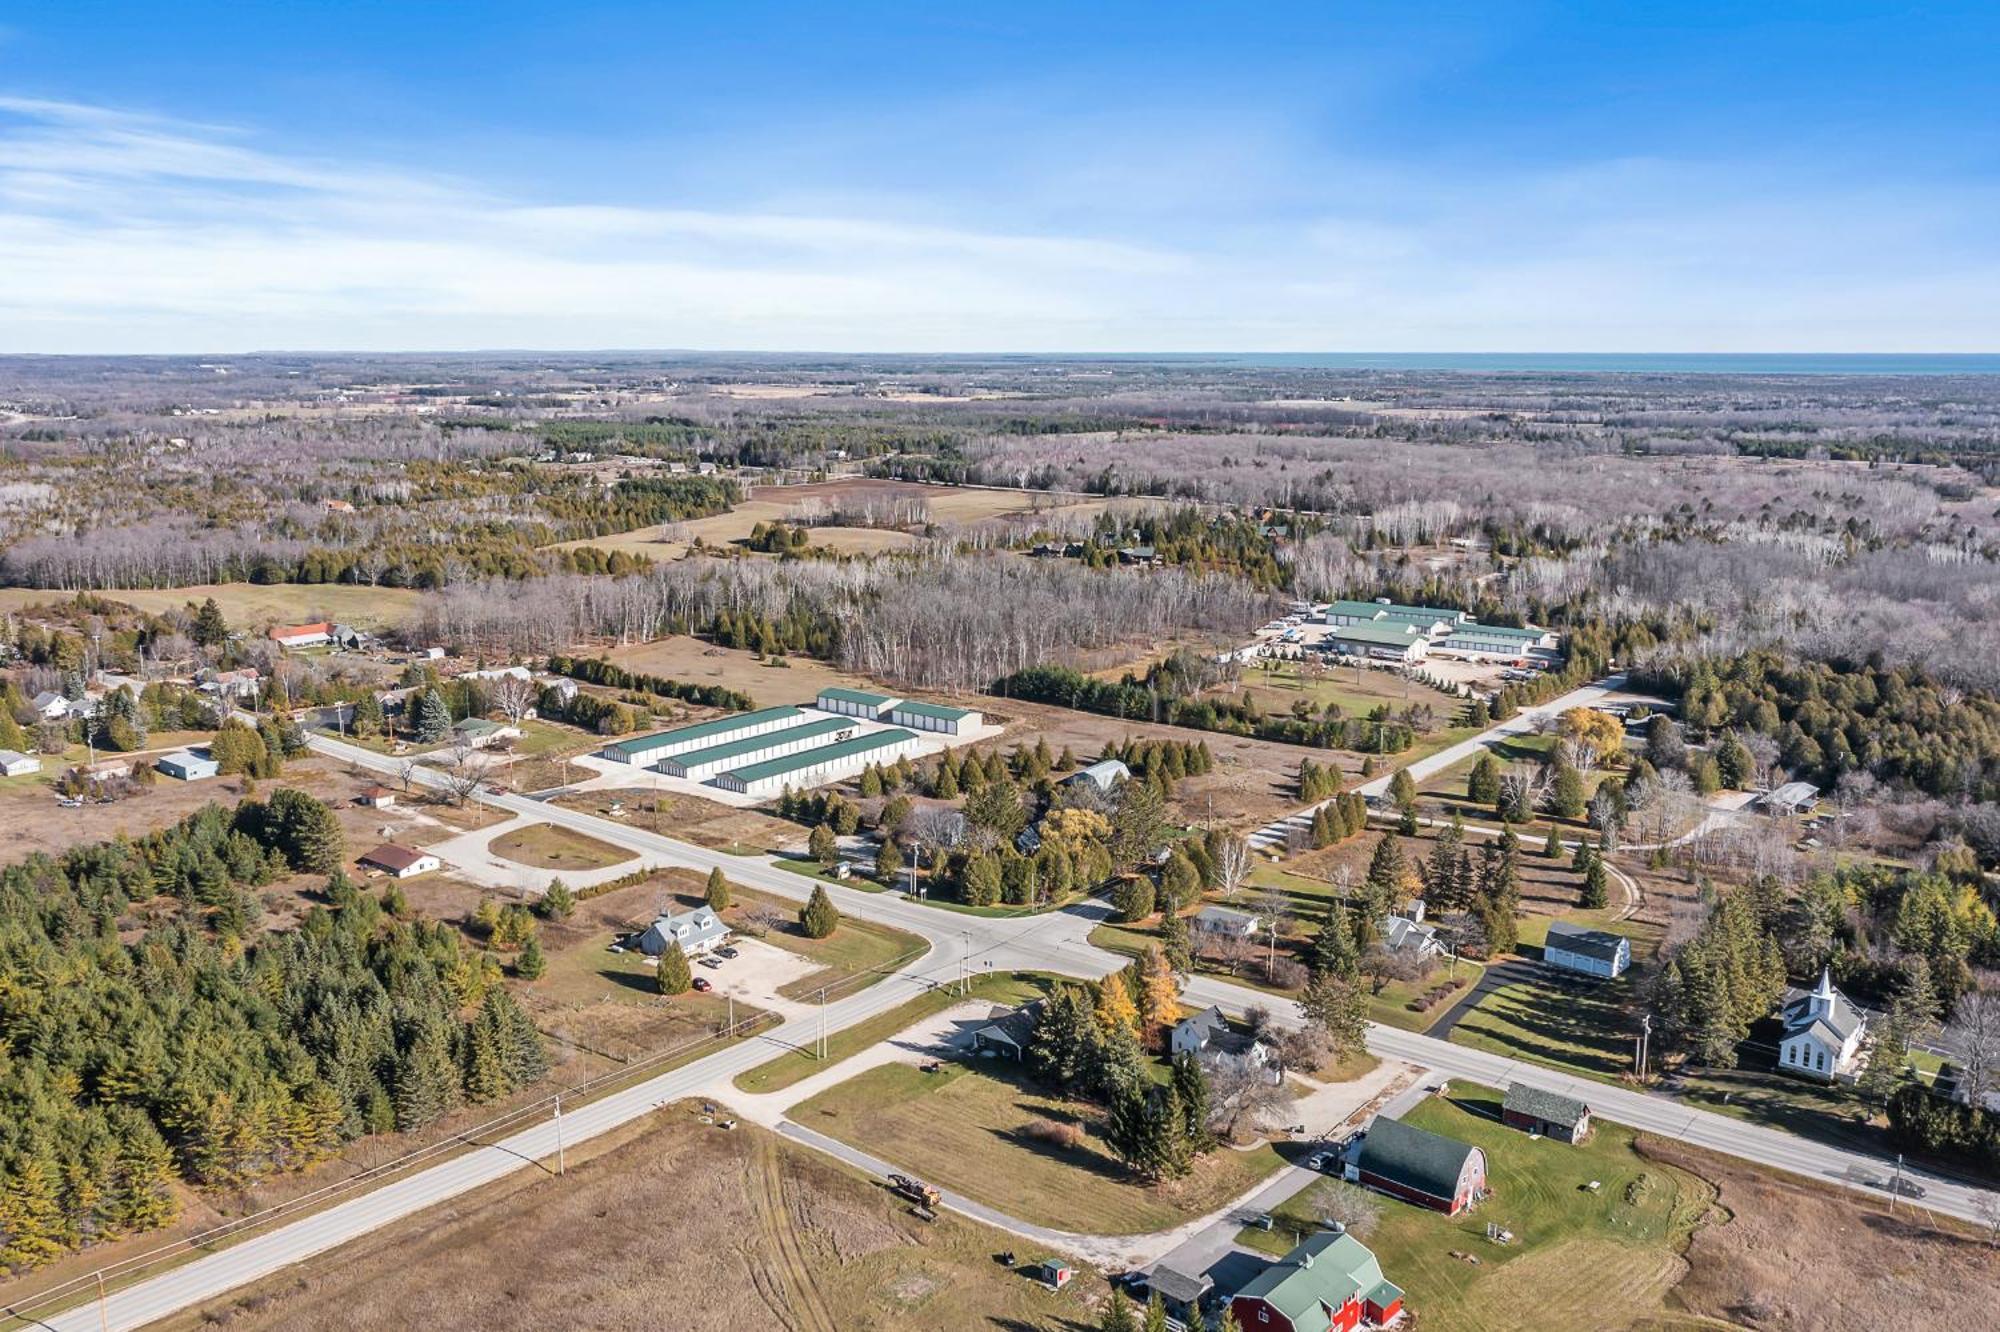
(726,952)
(712,963)
(1323,1162)
(701,984)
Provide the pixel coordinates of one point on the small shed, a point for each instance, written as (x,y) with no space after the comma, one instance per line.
(376,797)
(1055,1272)
(1551,1114)
(188,765)
(1180,1293)
(1599,953)
(1007,1031)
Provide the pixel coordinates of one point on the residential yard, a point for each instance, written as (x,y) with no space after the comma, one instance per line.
(856,948)
(795,1066)
(551,847)
(967,1127)
(690,819)
(666,1223)
(1576,1025)
(1310,878)
(1580,1260)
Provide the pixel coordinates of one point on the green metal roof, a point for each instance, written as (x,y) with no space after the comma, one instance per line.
(1412,1157)
(702,730)
(751,744)
(1473,630)
(784,763)
(937,710)
(1389,610)
(1387,635)
(862,696)
(1324,1272)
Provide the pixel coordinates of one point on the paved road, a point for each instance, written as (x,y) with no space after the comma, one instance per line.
(1057,942)
(1523,722)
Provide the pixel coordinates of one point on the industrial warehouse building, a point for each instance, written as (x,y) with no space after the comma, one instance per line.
(698,765)
(1430,620)
(817,766)
(650,749)
(1387,631)
(855,703)
(935,717)
(1495,640)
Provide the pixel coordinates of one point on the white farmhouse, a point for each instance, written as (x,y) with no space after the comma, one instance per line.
(1823,1034)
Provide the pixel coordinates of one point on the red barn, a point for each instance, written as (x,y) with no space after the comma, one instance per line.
(1329,1283)
(1427,1169)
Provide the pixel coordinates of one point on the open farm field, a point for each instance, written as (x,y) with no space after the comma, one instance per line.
(252,605)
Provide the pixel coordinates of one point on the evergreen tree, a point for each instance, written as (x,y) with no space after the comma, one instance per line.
(1334,952)
(1483,786)
(1118,1314)
(819,918)
(1566,800)
(1134,899)
(1180,880)
(821,846)
(1596,892)
(1552,849)
(433,717)
(1191,1083)
(1138,824)
(427,1080)
(209,628)
(530,964)
(888,861)
(672,974)
(717,894)
(1174,942)
(557,902)
(1403,790)
(1156,1315)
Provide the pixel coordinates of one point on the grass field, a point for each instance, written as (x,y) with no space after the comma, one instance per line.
(742,832)
(547,846)
(1574,1025)
(1580,1260)
(967,1128)
(254,605)
(786,1069)
(666,1223)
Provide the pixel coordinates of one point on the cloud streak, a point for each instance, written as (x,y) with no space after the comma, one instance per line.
(128,232)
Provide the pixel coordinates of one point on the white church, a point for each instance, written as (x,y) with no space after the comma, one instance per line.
(1823,1034)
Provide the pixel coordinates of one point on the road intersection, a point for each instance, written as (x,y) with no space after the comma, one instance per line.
(960,944)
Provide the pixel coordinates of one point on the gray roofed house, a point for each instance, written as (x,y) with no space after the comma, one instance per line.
(1402,934)
(1208,1035)
(697,931)
(1180,1293)
(1417,1166)
(1791,798)
(1551,1114)
(1225,920)
(1007,1030)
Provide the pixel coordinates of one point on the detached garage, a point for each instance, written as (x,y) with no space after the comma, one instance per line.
(188,765)
(400,862)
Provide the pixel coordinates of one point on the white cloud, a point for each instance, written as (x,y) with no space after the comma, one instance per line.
(126,232)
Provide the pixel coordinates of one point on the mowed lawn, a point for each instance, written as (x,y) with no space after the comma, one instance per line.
(966,1128)
(1577,1026)
(547,846)
(1580,1260)
(786,1069)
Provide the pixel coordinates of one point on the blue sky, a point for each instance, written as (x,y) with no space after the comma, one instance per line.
(1174,177)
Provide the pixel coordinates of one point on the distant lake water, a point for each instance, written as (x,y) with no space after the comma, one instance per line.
(1631,363)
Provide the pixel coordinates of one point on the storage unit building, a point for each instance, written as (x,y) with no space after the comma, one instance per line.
(855,703)
(701,764)
(935,717)
(818,766)
(649,749)
(1495,640)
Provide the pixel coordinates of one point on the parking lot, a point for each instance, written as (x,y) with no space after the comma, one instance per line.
(756,974)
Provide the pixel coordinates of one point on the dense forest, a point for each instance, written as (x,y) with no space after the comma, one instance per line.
(151,1038)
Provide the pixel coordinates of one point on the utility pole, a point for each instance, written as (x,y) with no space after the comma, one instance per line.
(562,1158)
(1896,1186)
(1644,1043)
(965,964)
(822,1022)
(103,1311)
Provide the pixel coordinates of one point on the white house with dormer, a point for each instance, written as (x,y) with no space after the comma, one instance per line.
(1823,1034)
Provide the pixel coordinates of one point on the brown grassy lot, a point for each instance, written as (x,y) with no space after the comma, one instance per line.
(667,1224)
(692,819)
(854,948)
(1782,1253)
(255,605)
(967,1128)
(552,847)
(30,820)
